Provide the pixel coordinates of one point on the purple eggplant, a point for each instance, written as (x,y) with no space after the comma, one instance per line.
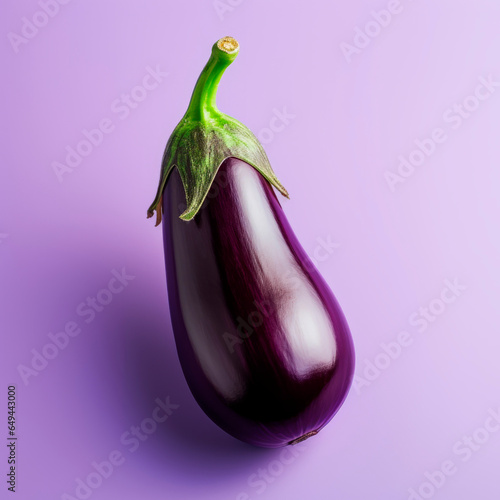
(263,344)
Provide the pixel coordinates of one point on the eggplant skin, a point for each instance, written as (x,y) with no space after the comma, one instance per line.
(263,344)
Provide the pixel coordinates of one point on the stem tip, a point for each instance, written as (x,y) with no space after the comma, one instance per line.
(228,44)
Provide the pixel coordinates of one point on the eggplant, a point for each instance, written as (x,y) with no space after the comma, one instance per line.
(263,343)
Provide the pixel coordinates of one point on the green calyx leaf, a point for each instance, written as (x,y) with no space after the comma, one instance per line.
(205,137)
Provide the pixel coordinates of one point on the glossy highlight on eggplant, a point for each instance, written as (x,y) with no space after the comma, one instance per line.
(263,344)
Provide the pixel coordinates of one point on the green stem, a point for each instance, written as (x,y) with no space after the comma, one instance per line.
(202,105)
(205,138)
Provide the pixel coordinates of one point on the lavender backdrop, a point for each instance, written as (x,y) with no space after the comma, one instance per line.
(386,136)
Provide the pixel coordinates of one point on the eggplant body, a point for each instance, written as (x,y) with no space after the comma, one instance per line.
(263,344)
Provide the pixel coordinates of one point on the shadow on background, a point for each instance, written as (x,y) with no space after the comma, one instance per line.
(113,372)
(188,443)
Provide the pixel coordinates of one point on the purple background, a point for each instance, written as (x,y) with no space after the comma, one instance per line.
(394,249)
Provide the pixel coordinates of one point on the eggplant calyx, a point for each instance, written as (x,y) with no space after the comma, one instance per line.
(205,137)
